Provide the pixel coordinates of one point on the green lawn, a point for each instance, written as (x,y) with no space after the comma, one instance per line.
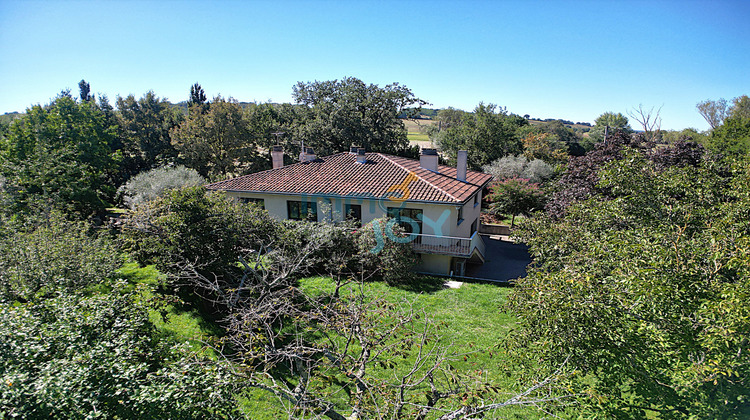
(473,324)
(175,321)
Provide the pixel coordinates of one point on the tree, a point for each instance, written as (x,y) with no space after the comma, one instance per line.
(76,343)
(732,138)
(197,95)
(650,121)
(61,154)
(51,255)
(580,179)
(75,355)
(740,108)
(546,148)
(509,167)
(339,113)
(145,126)
(606,123)
(488,134)
(714,112)
(152,184)
(85,90)
(218,143)
(515,196)
(638,290)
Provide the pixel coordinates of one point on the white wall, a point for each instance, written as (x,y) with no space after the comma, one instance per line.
(439,219)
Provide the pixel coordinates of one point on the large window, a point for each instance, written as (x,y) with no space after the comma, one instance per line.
(353,212)
(302,210)
(409,219)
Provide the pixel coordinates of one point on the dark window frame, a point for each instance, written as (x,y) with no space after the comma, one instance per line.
(302,210)
(353,212)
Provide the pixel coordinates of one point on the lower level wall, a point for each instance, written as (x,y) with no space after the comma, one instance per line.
(494,229)
(437,264)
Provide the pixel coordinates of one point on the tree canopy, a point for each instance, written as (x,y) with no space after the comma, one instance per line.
(340,113)
(61,154)
(488,133)
(639,284)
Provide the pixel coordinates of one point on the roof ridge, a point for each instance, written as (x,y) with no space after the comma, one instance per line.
(420,178)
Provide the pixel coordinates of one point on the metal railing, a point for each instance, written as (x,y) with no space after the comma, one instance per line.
(448,245)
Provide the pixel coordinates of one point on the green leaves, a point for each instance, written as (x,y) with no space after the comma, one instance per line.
(61,153)
(488,134)
(74,356)
(641,285)
(341,113)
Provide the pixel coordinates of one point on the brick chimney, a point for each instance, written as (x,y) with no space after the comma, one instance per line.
(429,159)
(277,157)
(461,163)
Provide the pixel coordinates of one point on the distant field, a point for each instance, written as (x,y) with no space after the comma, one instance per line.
(417,126)
(416,132)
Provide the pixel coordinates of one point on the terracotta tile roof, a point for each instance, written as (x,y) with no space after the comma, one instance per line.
(340,175)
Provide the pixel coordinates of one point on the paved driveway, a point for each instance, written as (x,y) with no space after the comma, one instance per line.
(505,261)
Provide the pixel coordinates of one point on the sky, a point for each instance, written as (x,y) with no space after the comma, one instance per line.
(571,60)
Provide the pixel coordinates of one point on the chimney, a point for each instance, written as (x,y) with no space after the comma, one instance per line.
(307,155)
(429,159)
(361,158)
(354,149)
(461,161)
(277,157)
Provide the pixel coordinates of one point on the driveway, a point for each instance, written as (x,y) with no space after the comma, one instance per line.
(505,260)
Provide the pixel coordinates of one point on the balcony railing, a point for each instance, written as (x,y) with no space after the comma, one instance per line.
(448,245)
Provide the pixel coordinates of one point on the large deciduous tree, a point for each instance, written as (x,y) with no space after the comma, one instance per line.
(61,153)
(343,112)
(145,125)
(219,142)
(714,112)
(489,133)
(608,122)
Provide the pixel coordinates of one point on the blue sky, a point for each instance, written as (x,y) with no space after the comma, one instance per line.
(550,59)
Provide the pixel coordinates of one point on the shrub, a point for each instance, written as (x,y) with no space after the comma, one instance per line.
(152,184)
(519,167)
(385,251)
(52,255)
(78,357)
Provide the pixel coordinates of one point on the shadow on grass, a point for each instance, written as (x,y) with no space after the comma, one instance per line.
(422,284)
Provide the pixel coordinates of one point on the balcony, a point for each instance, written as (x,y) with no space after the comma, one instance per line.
(449,245)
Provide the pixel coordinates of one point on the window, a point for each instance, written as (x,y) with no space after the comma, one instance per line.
(353,212)
(476,199)
(259,201)
(302,210)
(408,219)
(474,226)
(460,217)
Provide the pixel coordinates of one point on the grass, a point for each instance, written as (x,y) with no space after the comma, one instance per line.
(417,137)
(175,321)
(473,324)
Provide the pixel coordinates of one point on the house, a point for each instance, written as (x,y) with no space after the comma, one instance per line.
(438,205)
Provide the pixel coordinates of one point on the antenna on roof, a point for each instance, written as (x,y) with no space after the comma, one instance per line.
(278,135)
